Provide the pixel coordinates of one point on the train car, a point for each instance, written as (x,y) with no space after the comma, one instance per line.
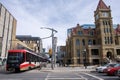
(20,60)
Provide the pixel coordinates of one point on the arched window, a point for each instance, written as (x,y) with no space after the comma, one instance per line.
(77,42)
(78,52)
(83,42)
(91,33)
(94,42)
(80,32)
(89,42)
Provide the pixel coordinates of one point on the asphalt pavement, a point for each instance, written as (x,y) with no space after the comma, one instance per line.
(67,69)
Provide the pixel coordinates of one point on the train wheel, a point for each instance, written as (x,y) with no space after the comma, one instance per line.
(30,68)
(17,69)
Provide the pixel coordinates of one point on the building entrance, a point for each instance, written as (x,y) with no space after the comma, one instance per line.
(109,55)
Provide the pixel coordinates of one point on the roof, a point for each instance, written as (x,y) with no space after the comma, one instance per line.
(102,5)
(86,26)
(117,30)
(27,37)
(86,29)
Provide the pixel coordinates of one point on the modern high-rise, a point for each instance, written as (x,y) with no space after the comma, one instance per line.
(95,44)
(7,30)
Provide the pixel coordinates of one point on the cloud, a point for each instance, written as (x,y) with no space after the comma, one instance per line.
(57,14)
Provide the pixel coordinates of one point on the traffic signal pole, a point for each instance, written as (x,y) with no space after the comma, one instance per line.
(53,47)
(52,60)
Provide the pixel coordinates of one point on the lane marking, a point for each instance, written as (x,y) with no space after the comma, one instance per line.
(81,76)
(94,76)
(47,76)
(50,76)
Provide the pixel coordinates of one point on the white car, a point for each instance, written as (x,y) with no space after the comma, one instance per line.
(101,68)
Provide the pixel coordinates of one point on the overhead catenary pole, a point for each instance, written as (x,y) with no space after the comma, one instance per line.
(53,46)
(52,60)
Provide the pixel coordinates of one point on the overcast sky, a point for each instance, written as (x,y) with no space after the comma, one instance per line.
(57,14)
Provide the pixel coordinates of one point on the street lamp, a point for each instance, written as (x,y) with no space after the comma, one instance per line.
(53,47)
(85,58)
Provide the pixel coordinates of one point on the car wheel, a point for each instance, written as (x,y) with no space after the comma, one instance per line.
(115,73)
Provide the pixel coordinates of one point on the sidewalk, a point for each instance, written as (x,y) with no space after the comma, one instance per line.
(69,69)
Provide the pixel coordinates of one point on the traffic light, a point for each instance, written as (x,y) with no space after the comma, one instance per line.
(50,51)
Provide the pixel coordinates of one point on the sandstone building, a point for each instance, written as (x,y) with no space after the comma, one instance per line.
(7,30)
(100,41)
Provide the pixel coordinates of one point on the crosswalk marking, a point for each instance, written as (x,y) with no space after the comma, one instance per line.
(65,79)
(94,76)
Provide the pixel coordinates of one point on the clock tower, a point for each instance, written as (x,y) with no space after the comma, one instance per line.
(104,30)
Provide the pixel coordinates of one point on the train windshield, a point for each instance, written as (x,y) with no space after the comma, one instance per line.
(15,57)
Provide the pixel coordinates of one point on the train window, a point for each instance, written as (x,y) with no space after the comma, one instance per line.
(15,57)
(27,56)
(1,62)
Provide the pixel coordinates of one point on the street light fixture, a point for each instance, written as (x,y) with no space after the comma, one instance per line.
(85,58)
(53,47)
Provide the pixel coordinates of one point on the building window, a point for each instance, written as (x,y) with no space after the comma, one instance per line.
(91,33)
(108,30)
(78,61)
(116,42)
(94,42)
(83,42)
(78,52)
(103,22)
(95,51)
(108,40)
(99,41)
(105,40)
(89,42)
(105,30)
(105,14)
(97,17)
(111,40)
(106,22)
(95,61)
(118,51)
(80,33)
(77,42)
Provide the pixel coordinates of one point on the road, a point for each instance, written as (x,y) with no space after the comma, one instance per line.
(104,76)
(62,75)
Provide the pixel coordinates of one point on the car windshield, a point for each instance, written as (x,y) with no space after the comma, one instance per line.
(105,65)
(117,65)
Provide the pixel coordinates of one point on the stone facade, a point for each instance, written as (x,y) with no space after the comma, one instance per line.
(100,41)
(34,43)
(7,30)
(8,38)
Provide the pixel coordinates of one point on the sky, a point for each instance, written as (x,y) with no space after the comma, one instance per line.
(60,15)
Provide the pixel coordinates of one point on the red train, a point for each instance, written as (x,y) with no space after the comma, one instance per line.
(19,60)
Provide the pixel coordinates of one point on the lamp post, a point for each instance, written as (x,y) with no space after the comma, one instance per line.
(85,58)
(53,47)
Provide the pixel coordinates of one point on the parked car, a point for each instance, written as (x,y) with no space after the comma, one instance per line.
(118,73)
(101,68)
(113,70)
(105,70)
